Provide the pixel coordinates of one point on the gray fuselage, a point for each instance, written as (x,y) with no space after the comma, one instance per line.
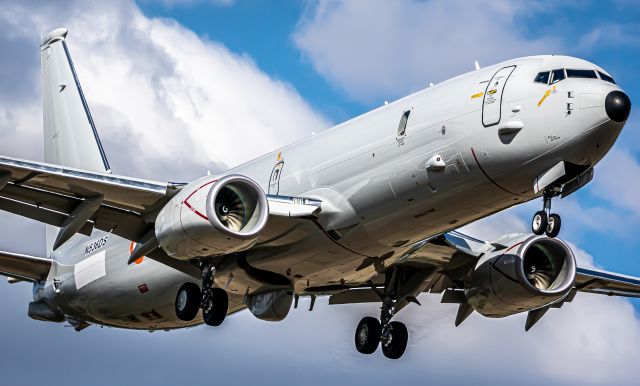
(466,152)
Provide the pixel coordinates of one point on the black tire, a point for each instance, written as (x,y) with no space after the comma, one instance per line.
(367,335)
(553,225)
(399,339)
(188,301)
(215,314)
(539,223)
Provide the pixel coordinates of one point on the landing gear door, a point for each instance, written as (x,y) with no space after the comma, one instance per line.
(492,103)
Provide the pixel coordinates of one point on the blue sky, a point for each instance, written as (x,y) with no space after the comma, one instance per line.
(172,82)
(263,32)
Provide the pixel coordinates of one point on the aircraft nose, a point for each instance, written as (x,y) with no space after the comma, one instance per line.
(618,106)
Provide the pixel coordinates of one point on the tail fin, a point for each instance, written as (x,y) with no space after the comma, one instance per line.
(70,136)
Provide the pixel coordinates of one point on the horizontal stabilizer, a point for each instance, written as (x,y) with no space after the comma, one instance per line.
(29,268)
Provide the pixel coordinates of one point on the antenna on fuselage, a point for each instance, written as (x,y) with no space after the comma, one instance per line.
(477,65)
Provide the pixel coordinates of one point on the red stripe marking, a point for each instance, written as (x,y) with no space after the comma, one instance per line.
(194,210)
(513,246)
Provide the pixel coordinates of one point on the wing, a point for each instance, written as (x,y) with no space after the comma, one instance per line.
(441,262)
(78,201)
(23,267)
(453,254)
(607,283)
(81,200)
(442,252)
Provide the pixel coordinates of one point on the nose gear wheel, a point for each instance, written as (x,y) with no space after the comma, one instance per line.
(544,221)
(539,223)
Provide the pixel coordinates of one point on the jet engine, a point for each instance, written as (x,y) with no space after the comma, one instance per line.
(530,274)
(212,217)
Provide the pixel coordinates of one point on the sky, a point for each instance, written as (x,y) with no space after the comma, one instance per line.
(181,87)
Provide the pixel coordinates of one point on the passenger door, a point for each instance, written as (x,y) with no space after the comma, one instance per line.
(492,103)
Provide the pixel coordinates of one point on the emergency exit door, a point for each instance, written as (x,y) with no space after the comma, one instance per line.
(492,103)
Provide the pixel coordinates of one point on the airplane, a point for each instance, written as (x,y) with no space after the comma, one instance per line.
(364,212)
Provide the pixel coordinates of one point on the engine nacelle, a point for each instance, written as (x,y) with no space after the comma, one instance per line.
(212,217)
(532,273)
(272,306)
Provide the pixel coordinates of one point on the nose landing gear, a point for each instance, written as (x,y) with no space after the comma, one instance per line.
(544,221)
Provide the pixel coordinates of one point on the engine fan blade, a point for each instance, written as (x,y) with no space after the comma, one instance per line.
(541,280)
(230,209)
(540,272)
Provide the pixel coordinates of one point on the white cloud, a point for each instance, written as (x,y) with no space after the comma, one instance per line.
(616,182)
(162,95)
(189,3)
(380,49)
(610,34)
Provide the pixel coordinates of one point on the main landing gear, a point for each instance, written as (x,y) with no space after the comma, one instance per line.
(213,301)
(544,221)
(392,336)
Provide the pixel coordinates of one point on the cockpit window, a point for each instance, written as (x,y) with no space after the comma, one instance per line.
(591,74)
(606,77)
(542,77)
(557,75)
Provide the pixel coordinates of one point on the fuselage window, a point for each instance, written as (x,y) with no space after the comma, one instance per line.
(402,127)
(606,77)
(590,74)
(542,77)
(557,75)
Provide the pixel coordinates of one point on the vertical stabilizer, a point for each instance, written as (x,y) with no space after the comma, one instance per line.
(70,136)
